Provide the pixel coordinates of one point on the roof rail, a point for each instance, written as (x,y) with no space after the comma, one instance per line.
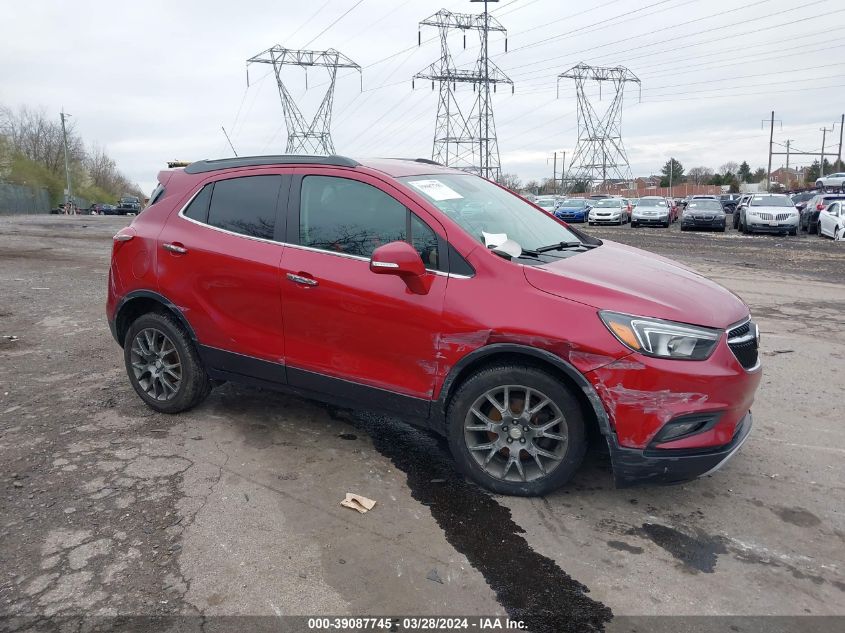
(203,166)
(428,161)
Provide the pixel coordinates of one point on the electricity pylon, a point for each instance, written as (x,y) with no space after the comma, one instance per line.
(466,141)
(599,154)
(304,137)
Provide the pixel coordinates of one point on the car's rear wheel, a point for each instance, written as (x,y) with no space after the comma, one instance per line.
(163,365)
(516,430)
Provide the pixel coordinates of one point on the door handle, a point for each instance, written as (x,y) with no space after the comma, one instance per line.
(175,248)
(299,279)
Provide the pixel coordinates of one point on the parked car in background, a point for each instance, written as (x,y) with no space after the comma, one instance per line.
(546,203)
(108,209)
(674,209)
(743,200)
(651,210)
(769,213)
(394,259)
(800,200)
(832,221)
(832,182)
(810,214)
(573,210)
(128,204)
(609,211)
(704,213)
(729,201)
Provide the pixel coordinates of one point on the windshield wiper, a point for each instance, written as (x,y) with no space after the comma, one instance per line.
(561,246)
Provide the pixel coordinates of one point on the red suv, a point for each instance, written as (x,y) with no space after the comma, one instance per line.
(422,291)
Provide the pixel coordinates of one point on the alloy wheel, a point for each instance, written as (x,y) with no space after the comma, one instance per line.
(516,433)
(156,364)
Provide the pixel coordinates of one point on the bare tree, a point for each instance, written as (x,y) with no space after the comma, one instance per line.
(510,181)
(730,167)
(699,175)
(37,137)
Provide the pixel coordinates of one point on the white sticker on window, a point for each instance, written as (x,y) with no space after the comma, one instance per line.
(492,240)
(435,190)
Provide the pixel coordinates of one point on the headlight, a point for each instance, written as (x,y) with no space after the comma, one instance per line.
(663,339)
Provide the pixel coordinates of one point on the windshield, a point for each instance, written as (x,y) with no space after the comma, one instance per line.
(546,204)
(802,197)
(705,205)
(574,204)
(652,202)
(480,208)
(771,201)
(608,202)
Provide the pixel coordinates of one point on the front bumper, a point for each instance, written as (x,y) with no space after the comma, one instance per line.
(656,466)
(571,216)
(614,219)
(766,226)
(650,219)
(691,222)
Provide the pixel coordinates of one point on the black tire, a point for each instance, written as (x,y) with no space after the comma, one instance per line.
(683,228)
(793,232)
(475,387)
(721,229)
(666,225)
(194,384)
(634,225)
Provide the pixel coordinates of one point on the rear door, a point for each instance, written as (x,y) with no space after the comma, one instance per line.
(219,262)
(350,332)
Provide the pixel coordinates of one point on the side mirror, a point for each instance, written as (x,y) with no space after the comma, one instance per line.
(401,259)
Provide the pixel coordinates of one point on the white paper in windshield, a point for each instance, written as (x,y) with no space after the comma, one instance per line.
(492,240)
(435,189)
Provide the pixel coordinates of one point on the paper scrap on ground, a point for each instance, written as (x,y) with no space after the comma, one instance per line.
(436,190)
(492,240)
(357,502)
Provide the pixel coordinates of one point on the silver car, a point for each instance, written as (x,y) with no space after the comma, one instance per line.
(651,210)
(610,211)
(769,213)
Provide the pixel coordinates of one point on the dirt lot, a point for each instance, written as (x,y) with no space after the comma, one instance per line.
(107,508)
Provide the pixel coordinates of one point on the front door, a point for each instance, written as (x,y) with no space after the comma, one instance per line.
(349,332)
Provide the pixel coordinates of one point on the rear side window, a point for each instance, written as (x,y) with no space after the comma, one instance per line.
(347,216)
(245,205)
(198,209)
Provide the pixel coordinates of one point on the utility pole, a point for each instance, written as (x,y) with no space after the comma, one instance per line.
(69,192)
(562,171)
(554,174)
(671,173)
(788,143)
(839,153)
(824,132)
(771,141)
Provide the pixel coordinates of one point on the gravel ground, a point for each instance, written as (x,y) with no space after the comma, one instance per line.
(109,509)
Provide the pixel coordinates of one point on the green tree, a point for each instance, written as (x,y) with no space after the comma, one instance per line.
(744,172)
(717,180)
(673,168)
(760,175)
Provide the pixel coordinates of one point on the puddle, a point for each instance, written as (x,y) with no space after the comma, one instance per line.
(529,586)
(698,554)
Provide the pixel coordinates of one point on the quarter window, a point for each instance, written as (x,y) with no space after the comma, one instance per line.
(245,205)
(198,209)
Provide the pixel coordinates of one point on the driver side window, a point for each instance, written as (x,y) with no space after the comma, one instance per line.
(347,216)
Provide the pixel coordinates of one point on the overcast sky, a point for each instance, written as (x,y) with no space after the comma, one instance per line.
(153,81)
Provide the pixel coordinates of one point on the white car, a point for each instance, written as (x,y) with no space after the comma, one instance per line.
(832,221)
(831,181)
(546,203)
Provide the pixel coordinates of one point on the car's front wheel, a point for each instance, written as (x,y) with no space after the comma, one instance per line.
(163,364)
(516,430)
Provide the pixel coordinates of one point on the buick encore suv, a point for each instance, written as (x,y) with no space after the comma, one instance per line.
(435,295)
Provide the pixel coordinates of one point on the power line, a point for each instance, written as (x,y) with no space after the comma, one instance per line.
(343,15)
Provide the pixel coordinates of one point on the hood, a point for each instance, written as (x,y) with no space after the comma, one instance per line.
(625,279)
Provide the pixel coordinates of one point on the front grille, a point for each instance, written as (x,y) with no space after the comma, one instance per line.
(743,343)
(780,217)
